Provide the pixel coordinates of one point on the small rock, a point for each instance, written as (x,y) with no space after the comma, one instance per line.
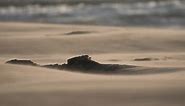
(22,62)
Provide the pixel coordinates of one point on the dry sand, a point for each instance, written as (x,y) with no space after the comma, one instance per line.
(163,85)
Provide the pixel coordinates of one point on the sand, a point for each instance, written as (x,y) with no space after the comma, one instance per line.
(158,82)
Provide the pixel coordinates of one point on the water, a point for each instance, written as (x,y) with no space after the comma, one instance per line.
(167,13)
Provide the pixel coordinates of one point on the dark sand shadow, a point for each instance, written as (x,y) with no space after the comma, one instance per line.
(146,59)
(77,32)
(71,33)
(114,60)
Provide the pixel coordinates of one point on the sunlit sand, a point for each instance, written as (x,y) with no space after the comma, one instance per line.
(158,81)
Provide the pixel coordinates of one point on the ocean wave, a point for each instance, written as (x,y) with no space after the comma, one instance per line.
(164,13)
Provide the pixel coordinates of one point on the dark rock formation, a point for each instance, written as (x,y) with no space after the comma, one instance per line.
(22,62)
(85,64)
(80,63)
(53,66)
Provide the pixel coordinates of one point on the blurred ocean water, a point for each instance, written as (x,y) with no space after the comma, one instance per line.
(167,13)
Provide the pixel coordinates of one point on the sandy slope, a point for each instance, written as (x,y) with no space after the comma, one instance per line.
(46,43)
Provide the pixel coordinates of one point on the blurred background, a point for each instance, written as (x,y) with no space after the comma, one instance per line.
(154,13)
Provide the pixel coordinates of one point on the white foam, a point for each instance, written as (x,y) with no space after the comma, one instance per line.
(139,13)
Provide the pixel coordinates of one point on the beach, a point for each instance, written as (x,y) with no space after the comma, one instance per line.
(158,80)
